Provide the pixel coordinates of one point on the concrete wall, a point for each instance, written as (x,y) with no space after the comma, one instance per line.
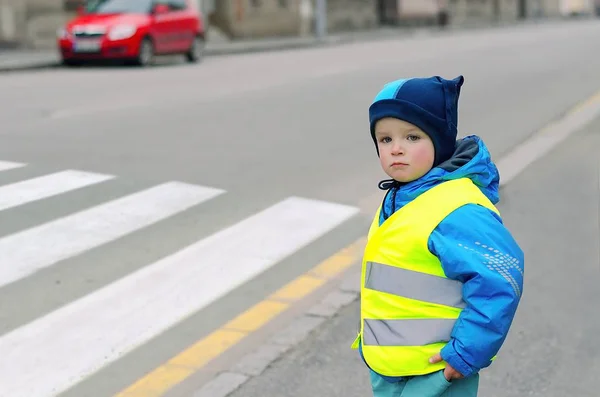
(473,11)
(31,23)
(344,15)
(259,18)
(248,18)
(562,8)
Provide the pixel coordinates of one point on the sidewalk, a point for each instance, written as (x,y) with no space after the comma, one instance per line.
(16,59)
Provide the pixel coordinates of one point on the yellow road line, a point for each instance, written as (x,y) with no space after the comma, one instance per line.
(582,105)
(297,289)
(195,357)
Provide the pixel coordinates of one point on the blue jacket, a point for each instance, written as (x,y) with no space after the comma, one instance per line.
(461,241)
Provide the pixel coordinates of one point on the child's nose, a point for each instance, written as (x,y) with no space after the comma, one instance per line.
(397,149)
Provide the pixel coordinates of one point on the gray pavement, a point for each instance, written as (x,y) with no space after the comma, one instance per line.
(263,128)
(552,350)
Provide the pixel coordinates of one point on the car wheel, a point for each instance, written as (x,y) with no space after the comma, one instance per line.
(146,53)
(196,51)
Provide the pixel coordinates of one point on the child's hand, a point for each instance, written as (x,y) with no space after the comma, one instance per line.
(449,372)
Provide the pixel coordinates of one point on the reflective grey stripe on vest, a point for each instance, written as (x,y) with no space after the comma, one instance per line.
(414,285)
(413,332)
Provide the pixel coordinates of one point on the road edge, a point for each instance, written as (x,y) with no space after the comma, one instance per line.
(326,277)
(257,362)
(291,43)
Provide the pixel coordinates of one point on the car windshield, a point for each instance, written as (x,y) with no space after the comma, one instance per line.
(119,6)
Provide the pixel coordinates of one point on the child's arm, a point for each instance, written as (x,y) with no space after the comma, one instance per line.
(475,248)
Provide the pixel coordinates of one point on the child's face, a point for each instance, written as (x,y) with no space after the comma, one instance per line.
(405,151)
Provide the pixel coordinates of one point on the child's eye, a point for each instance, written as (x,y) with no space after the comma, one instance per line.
(413,137)
(385,139)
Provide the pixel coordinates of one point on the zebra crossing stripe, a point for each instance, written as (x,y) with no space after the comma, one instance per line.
(45,186)
(55,352)
(9,165)
(42,246)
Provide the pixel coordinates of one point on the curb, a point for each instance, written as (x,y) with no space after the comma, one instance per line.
(244,47)
(234,48)
(257,362)
(40,65)
(348,290)
(229,49)
(249,47)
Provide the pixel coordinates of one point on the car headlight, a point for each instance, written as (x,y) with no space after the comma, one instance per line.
(121,32)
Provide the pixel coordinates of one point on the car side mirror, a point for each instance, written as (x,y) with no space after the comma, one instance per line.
(160,9)
(80,10)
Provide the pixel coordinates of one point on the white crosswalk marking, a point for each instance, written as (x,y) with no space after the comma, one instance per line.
(46,186)
(53,353)
(30,250)
(66,345)
(9,165)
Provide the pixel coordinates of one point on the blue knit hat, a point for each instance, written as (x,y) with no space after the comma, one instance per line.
(429,103)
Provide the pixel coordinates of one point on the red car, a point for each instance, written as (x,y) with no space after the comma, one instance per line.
(133,30)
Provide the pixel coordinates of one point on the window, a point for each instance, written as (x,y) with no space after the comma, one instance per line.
(119,6)
(177,5)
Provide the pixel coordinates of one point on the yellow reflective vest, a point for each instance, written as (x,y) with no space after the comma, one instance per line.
(408,305)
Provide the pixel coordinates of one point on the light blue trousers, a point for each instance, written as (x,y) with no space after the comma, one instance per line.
(431,385)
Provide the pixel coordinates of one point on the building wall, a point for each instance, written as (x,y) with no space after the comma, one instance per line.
(467,11)
(259,18)
(33,23)
(346,15)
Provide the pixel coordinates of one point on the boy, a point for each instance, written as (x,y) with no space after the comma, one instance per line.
(442,277)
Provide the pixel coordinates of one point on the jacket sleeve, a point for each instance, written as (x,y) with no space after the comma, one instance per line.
(475,248)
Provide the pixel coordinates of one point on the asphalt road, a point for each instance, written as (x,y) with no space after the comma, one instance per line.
(182,152)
